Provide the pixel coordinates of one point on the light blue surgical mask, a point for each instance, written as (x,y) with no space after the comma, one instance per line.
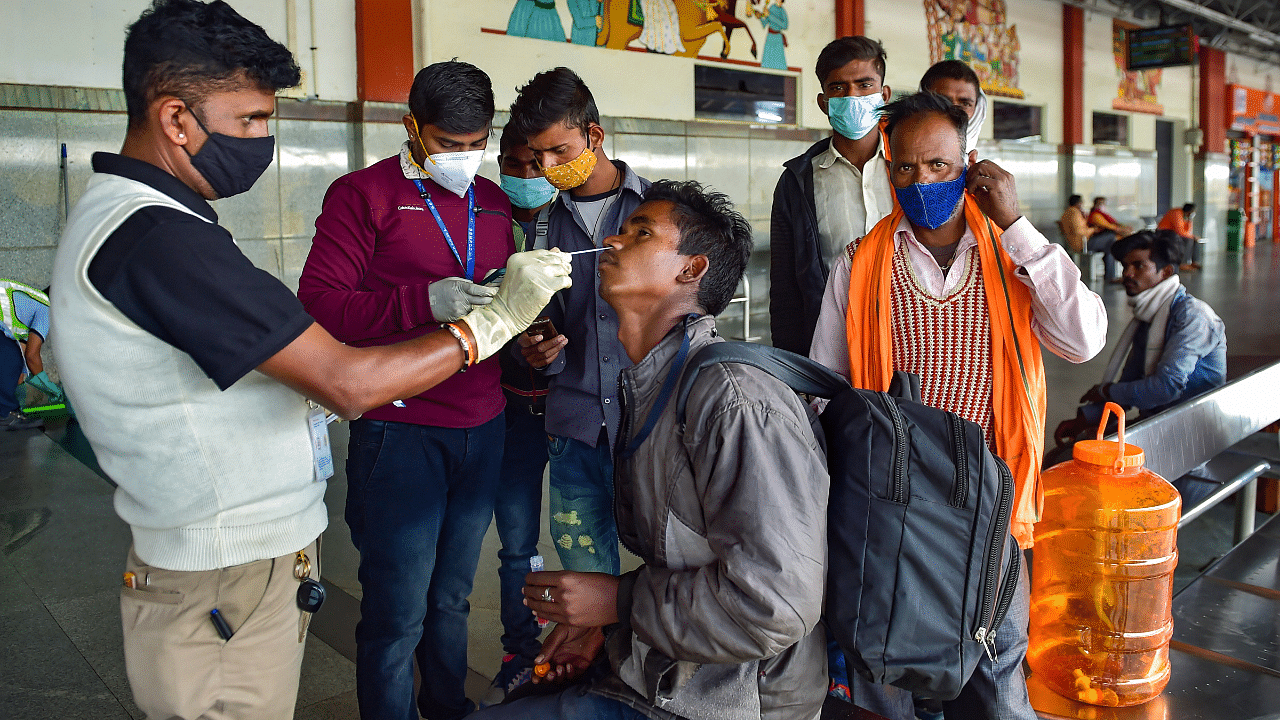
(527,193)
(854,117)
(929,205)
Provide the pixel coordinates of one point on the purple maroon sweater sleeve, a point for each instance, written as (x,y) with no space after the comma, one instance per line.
(332,287)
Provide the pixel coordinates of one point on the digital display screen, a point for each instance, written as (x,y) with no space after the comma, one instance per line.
(1160,47)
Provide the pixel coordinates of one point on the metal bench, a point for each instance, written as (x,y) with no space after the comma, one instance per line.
(1186,444)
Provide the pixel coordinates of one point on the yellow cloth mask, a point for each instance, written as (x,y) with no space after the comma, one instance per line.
(569,175)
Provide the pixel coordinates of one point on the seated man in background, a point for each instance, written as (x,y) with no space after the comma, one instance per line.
(1174,348)
(1100,217)
(1080,236)
(1179,221)
(728,511)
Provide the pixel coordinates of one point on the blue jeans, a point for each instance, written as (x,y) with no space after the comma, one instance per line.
(582,523)
(998,690)
(11,366)
(419,500)
(573,703)
(518,513)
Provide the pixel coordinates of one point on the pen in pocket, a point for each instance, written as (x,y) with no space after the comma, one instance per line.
(220,623)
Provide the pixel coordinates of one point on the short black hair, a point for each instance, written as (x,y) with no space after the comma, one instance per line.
(1100,198)
(950,70)
(1189,208)
(842,51)
(554,97)
(455,96)
(510,138)
(1165,247)
(924,103)
(1074,200)
(708,226)
(190,49)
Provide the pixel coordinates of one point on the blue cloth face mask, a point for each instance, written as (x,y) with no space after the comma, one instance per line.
(929,205)
(527,193)
(854,117)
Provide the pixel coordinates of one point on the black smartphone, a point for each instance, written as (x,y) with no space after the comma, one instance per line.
(542,326)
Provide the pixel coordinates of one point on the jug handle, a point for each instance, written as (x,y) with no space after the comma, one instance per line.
(1107,410)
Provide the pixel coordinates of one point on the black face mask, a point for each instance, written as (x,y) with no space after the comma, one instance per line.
(231,165)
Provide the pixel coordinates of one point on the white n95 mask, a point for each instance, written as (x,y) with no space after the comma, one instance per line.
(454,171)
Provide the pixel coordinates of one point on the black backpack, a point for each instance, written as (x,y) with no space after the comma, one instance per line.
(920,565)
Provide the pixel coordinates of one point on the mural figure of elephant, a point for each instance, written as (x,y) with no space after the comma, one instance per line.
(617,29)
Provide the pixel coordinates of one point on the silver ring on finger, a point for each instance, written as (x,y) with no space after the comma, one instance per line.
(546,595)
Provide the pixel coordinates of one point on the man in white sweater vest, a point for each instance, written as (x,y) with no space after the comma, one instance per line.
(192,370)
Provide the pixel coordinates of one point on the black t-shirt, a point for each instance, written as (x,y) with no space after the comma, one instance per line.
(184,280)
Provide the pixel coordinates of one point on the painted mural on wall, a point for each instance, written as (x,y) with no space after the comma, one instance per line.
(670,27)
(1137,90)
(975,32)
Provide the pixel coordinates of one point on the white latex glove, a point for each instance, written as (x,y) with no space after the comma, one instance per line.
(453,297)
(532,278)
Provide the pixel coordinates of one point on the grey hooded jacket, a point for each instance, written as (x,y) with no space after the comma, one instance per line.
(722,621)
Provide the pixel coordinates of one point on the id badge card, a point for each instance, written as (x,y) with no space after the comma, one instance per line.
(321,454)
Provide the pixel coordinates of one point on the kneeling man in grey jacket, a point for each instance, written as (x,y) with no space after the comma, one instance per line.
(728,512)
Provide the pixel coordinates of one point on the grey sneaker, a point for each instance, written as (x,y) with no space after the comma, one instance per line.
(17,421)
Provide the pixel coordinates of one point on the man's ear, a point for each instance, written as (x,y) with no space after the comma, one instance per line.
(1168,271)
(168,112)
(822,103)
(886,92)
(694,269)
(595,137)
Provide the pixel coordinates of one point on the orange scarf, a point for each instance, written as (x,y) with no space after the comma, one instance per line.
(1018,390)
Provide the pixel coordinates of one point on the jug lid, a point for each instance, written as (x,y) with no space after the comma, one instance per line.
(1116,454)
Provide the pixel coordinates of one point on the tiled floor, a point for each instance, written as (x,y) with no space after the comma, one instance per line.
(62,544)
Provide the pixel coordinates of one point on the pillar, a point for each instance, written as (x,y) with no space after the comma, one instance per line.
(1072,75)
(851,17)
(384,50)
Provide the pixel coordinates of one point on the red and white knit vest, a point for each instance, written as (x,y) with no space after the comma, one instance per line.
(946,341)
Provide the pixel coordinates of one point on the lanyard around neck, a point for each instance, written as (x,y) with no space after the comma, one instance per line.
(470,264)
(664,395)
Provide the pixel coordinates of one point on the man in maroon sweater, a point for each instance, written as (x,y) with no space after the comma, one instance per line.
(401,247)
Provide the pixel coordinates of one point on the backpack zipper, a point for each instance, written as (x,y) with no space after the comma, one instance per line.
(1006,598)
(899,490)
(987,617)
(961,496)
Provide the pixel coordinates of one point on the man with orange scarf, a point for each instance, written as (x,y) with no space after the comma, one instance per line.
(955,286)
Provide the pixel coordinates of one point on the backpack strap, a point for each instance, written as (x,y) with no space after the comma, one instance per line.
(797,371)
(541,228)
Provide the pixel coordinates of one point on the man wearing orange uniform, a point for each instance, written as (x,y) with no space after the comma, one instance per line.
(1100,218)
(957,287)
(1179,221)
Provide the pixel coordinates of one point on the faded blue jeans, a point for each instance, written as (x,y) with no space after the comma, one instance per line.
(419,501)
(517,511)
(583,526)
(573,703)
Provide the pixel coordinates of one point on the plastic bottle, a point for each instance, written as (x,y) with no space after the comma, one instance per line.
(1102,579)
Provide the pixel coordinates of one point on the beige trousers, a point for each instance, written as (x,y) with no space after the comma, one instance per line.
(178,665)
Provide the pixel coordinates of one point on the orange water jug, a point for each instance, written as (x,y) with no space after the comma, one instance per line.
(1102,575)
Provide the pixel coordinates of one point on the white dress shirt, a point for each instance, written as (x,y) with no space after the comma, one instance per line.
(1068,318)
(849,201)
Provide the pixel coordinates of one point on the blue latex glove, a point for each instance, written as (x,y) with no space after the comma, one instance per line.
(41,382)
